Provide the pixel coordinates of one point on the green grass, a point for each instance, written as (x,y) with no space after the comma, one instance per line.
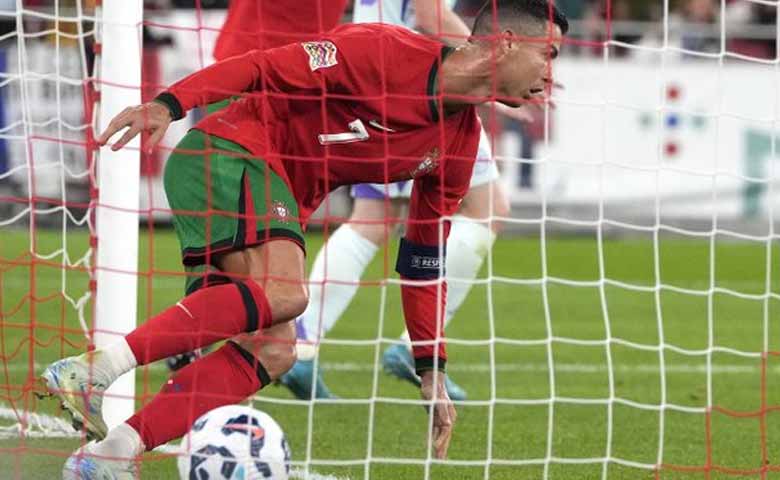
(40,326)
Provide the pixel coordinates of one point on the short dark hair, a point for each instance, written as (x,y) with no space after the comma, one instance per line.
(531,15)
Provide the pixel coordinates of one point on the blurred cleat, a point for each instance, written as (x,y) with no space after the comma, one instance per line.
(177,362)
(80,389)
(299,381)
(82,465)
(398,362)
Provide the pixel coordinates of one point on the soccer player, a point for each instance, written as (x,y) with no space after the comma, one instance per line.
(263,24)
(340,263)
(365,103)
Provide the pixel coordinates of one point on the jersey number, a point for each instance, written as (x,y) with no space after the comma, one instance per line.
(357,133)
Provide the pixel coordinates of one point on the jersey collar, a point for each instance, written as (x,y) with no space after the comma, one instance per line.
(433,77)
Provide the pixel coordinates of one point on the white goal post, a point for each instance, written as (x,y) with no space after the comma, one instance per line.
(116,264)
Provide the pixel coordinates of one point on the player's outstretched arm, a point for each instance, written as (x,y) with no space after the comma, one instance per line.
(444,415)
(436,18)
(151,117)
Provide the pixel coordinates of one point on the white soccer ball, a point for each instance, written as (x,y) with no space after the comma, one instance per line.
(234,443)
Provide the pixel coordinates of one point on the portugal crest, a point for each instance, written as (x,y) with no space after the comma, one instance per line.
(429,163)
(321,54)
(280,211)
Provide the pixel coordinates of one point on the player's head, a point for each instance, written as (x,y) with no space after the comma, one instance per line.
(522,37)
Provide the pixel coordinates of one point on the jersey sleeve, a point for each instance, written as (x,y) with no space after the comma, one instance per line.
(339,63)
(422,254)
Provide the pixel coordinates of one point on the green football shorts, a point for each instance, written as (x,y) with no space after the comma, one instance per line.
(223,199)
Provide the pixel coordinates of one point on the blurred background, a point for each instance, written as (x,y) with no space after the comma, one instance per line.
(664,115)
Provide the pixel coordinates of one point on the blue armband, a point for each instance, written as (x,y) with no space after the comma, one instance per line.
(419,262)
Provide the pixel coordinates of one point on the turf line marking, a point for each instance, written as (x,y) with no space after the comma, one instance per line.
(39,425)
(472,367)
(173,449)
(300,473)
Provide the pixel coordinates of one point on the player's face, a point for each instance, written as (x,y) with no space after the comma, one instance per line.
(525,70)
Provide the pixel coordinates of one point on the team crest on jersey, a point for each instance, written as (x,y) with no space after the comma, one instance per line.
(429,163)
(321,54)
(280,211)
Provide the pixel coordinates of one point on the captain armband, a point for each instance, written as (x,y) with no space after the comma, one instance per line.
(419,262)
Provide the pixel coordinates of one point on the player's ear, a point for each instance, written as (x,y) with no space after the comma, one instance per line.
(509,39)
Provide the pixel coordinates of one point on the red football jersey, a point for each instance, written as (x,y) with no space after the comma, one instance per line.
(263,24)
(360,105)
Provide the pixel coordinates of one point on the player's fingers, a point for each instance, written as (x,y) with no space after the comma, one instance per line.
(445,417)
(442,441)
(521,114)
(109,132)
(154,139)
(129,135)
(121,120)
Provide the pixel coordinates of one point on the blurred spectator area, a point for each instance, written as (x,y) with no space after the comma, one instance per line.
(695,26)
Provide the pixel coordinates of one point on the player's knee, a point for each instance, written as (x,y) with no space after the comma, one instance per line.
(375,233)
(374,220)
(298,301)
(279,357)
(501,206)
(288,300)
(273,347)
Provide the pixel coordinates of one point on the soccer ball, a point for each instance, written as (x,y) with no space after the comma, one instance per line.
(234,443)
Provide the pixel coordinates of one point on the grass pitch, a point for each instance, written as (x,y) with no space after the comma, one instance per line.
(612,401)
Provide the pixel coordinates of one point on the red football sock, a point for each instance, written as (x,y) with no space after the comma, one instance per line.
(221,378)
(200,319)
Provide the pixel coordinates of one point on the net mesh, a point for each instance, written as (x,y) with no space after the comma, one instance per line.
(45,178)
(622,326)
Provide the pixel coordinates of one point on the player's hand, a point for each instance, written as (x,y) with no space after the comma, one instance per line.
(151,117)
(443,412)
(521,114)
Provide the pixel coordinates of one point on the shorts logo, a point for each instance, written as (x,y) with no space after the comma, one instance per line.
(280,211)
(321,54)
(429,163)
(427,263)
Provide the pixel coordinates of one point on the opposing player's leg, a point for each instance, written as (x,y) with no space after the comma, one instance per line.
(335,277)
(340,263)
(471,237)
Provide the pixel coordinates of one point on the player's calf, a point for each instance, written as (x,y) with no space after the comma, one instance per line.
(273,348)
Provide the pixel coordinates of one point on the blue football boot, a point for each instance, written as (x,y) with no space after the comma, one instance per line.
(300,379)
(397,361)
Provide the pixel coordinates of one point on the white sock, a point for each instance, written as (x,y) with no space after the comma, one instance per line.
(467,245)
(114,360)
(345,256)
(122,442)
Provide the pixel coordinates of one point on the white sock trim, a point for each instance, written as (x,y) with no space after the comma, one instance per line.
(115,359)
(122,442)
(340,263)
(475,233)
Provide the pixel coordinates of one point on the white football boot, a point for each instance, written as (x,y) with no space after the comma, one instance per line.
(80,388)
(83,464)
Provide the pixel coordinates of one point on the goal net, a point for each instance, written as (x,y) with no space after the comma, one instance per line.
(623,324)
(46,191)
